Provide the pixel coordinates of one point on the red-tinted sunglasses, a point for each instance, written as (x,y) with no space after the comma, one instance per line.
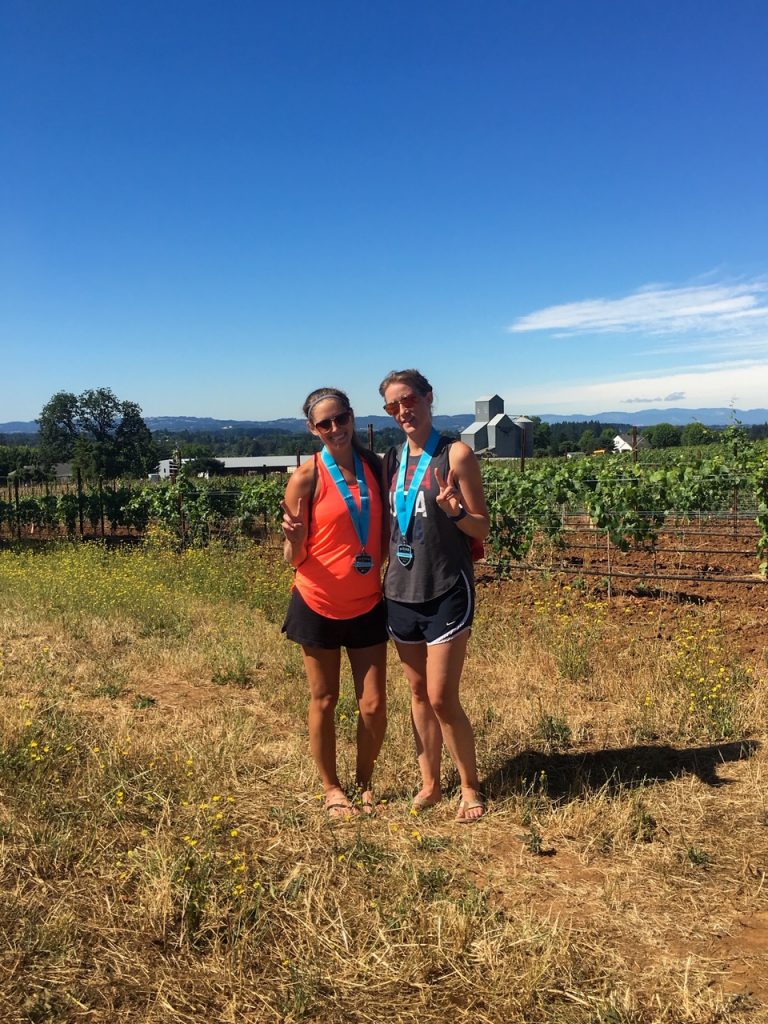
(407,402)
(341,421)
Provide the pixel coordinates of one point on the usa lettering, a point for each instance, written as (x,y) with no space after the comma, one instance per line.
(419,509)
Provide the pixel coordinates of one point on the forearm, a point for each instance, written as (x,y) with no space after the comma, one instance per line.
(474,524)
(294,552)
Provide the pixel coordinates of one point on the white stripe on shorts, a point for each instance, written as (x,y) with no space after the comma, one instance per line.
(455,630)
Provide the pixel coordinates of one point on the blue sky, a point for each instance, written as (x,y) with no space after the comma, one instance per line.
(213,208)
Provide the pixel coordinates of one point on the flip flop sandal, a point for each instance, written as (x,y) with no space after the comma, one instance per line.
(349,810)
(469,805)
(420,804)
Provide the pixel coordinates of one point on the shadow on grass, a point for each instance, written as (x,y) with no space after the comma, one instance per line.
(562,776)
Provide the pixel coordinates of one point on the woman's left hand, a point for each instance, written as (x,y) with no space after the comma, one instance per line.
(448,498)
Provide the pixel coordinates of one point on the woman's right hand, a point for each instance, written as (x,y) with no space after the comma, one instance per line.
(294,527)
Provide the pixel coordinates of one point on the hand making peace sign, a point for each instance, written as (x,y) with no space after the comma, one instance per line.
(294,527)
(449,495)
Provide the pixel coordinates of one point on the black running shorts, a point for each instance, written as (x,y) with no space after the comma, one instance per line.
(435,621)
(308,628)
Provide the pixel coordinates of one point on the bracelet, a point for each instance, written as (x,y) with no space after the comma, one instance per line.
(459,515)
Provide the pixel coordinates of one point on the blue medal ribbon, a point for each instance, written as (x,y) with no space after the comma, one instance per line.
(361,517)
(405,503)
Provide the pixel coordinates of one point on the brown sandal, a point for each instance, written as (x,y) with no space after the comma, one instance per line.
(470,805)
(335,811)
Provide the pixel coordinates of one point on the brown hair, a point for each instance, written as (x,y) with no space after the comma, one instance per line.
(315,397)
(320,395)
(417,381)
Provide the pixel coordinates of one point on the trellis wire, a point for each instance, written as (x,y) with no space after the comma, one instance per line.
(578,571)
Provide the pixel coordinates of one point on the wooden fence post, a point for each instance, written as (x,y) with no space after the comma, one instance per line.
(80,502)
(18,511)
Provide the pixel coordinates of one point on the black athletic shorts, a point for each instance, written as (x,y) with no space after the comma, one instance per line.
(306,627)
(435,621)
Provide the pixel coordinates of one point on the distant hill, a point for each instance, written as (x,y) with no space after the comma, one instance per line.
(175,424)
(18,428)
(178,424)
(640,418)
(678,417)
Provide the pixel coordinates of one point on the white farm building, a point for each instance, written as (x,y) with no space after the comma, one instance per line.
(255,465)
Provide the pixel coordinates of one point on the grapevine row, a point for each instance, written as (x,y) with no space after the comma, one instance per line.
(628,502)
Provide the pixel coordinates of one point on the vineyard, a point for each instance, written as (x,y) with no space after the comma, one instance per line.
(165,851)
(684,520)
(691,519)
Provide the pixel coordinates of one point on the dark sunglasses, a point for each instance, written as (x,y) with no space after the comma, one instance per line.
(341,421)
(407,402)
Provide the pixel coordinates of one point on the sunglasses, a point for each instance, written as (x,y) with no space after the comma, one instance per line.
(407,402)
(340,421)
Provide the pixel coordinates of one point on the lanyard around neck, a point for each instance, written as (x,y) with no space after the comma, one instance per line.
(361,517)
(405,503)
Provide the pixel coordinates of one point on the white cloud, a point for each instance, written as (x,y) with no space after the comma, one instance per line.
(659,310)
(743,383)
(675,396)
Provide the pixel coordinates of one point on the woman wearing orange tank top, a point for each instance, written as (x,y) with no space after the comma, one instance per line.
(333,522)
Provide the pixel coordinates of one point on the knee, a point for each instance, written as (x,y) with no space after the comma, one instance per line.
(419,694)
(446,708)
(324,703)
(373,711)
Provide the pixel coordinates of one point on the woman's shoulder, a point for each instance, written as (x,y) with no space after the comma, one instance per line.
(304,476)
(459,453)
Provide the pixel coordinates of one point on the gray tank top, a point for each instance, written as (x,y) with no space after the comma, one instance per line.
(441,551)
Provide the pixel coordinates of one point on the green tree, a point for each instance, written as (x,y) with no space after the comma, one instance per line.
(16,457)
(101,434)
(542,436)
(385,438)
(197,450)
(59,428)
(587,441)
(605,440)
(248,446)
(135,448)
(663,435)
(203,464)
(697,434)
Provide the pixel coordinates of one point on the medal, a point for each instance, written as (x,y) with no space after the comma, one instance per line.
(363,563)
(361,518)
(404,554)
(405,503)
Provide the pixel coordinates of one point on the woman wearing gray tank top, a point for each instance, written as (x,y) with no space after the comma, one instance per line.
(437,508)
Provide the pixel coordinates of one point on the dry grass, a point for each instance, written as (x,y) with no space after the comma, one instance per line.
(164,858)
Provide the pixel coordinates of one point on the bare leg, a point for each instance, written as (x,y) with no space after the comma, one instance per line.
(369,671)
(444,666)
(434,673)
(426,728)
(323,668)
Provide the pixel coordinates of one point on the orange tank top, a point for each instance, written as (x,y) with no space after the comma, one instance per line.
(327,579)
